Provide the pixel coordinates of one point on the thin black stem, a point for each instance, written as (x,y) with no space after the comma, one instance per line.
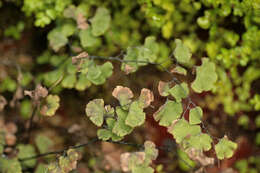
(59,151)
(35,108)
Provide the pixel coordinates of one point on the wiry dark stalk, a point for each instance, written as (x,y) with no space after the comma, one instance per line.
(29,129)
(59,151)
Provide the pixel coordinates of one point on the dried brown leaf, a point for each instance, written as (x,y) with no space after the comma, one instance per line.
(74,128)
(10,139)
(125,159)
(123,94)
(128,69)
(37,94)
(11,128)
(82,21)
(75,59)
(3,102)
(200,157)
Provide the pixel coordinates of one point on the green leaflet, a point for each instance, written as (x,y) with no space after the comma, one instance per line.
(131,56)
(26,151)
(69,81)
(87,39)
(57,39)
(52,104)
(26,79)
(163,88)
(136,116)
(179,70)
(84,67)
(71,68)
(98,74)
(43,143)
(106,134)
(195,115)
(201,142)
(8,84)
(182,129)
(65,163)
(120,128)
(26,109)
(181,52)
(51,77)
(95,111)
(68,29)
(144,54)
(168,113)
(41,168)
(139,161)
(225,148)
(10,165)
(101,21)
(206,76)
(179,91)
(153,47)
(82,82)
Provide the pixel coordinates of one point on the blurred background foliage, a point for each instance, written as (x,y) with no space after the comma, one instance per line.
(226,31)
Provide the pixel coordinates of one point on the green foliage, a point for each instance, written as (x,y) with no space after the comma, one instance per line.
(51,106)
(43,143)
(139,55)
(26,107)
(121,128)
(181,129)
(168,113)
(243,121)
(138,162)
(95,111)
(57,39)
(195,115)
(179,91)
(26,151)
(225,148)
(136,116)
(44,11)
(250,165)
(104,28)
(98,74)
(10,165)
(14,30)
(65,164)
(205,76)
(106,134)
(185,162)
(8,84)
(181,52)
(87,39)
(201,142)
(41,168)
(100,22)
